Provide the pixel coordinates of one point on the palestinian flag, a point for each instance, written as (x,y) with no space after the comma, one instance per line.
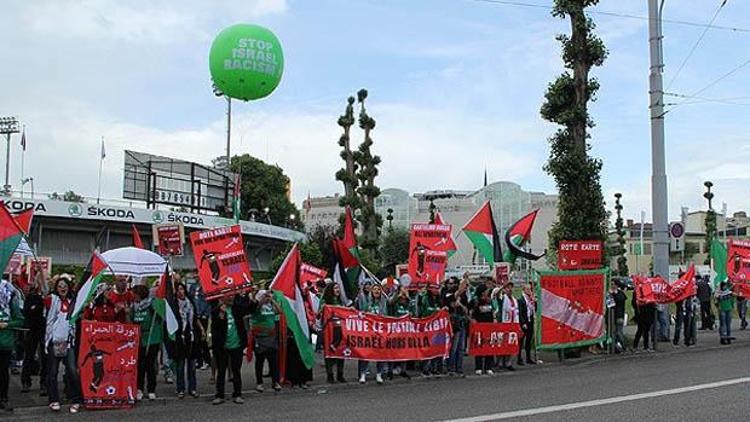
(482,232)
(719,256)
(346,254)
(137,242)
(450,246)
(162,305)
(10,235)
(517,236)
(287,293)
(236,198)
(23,219)
(93,275)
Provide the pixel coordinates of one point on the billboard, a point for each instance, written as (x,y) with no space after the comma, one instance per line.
(169,181)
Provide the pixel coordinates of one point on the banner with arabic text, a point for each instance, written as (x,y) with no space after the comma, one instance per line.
(494,338)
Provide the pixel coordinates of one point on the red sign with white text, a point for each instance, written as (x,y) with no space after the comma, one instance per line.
(579,255)
(308,272)
(427,254)
(351,334)
(108,364)
(220,258)
(738,260)
(494,338)
(169,239)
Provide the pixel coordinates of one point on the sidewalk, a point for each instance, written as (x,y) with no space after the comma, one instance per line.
(166,392)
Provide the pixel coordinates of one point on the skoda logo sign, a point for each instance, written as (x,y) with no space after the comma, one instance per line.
(158,217)
(75,210)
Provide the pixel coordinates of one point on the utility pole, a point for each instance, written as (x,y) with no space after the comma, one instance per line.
(659,207)
(229,128)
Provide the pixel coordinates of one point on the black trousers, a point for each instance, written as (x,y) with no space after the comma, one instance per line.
(528,338)
(233,360)
(707,318)
(4,374)
(33,345)
(204,352)
(272,357)
(147,368)
(338,363)
(644,329)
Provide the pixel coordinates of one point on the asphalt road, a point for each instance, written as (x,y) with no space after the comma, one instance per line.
(573,383)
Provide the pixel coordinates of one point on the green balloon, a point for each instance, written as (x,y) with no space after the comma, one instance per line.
(246,61)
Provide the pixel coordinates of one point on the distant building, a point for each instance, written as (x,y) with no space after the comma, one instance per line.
(509,203)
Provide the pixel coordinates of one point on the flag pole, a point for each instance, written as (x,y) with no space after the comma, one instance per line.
(101,163)
(23,155)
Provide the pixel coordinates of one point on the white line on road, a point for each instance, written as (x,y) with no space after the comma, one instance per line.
(599,402)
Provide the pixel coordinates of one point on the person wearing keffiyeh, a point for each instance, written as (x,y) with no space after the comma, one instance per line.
(10,319)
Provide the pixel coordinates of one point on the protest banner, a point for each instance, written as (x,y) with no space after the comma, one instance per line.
(351,334)
(579,255)
(169,239)
(220,258)
(738,260)
(309,273)
(657,290)
(494,338)
(15,264)
(108,364)
(502,272)
(428,254)
(571,306)
(39,264)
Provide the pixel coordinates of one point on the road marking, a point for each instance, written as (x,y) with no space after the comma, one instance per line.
(599,402)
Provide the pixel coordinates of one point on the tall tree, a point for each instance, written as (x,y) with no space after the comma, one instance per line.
(348,174)
(622,261)
(394,249)
(265,186)
(581,214)
(710,222)
(368,170)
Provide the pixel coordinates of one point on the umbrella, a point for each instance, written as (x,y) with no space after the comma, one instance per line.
(134,262)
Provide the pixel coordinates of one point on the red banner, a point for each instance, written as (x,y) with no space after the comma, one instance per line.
(579,255)
(15,264)
(494,338)
(220,258)
(502,273)
(738,260)
(169,239)
(108,363)
(427,254)
(572,308)
(40,264)
(351,334)
(308,272)
(657,290)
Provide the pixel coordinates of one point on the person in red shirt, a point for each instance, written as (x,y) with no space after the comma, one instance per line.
(101,308)
(121,298)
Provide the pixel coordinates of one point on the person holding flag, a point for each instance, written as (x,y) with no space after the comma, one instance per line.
(186,345)
(144,314)
(229,337)
(332,296)
(10,319)
(264,314)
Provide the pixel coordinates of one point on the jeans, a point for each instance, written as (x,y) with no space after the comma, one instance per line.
(742,312)
(147,368)
(456,357)
(339,364)
(662,316)
(644,329)
(72,380)
(272,357)
(204,356)
(679,320)
(363,365)
(619,333)
(432,366)
(4,374)
(725,324)
(231,359)
(180,365)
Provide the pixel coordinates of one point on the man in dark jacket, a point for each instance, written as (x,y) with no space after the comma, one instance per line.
(36,323)
(526,314)
(704,296)
(619,298)
(229,337)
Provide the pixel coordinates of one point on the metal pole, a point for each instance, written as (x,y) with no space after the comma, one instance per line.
(7,164)
(101,162)
(229,127)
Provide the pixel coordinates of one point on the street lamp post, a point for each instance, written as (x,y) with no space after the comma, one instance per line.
(8,126)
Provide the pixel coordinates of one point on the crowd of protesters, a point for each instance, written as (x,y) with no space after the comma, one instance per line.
(36,329)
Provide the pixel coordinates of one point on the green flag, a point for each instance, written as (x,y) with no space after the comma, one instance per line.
(719,256)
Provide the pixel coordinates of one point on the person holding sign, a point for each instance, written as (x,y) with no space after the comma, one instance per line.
(373,302)
(481,311)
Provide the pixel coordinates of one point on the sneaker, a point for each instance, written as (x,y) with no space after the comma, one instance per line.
(276,386)
(54,406)
(451,374)
(139,395)
(259,388)
(180,396)
(490,372)
(74,408)
(379,379)
(238,400)
(362,379)
(478,372)
(217,400)
(152,396)
(168,379)
(304,386)
(205,367)
(195,394)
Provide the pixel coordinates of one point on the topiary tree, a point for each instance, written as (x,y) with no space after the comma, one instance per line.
(368,170)
(348,174)
(622,261)
(581,214)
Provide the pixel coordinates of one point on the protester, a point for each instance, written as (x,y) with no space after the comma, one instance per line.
(619,297)
(101,307)
(187,342)
(481,311)
(10,319)
(264,314)
(644,318)
(456,302)
(202,313)
(527,312)
(374,302)
(229,336)
(121,298)
(152,333)
(704,296)
(742,311)
(428,302)
(508,312)
(725,305)
(400,306)
(35,323)
(332,297)
(58,341)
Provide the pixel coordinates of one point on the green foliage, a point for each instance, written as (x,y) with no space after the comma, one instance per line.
(68,196)
(265,186)
(581,213)
(710,231)
(622,261)
(394,249)
(369,259)
(309,251)
(348,174)
(323,236)
(368,170)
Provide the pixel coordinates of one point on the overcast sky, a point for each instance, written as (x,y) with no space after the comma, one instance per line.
(455,86)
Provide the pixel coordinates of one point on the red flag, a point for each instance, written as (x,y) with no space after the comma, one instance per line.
(10,235)
(350,239)
(23,219)
(450,245)
(137,242)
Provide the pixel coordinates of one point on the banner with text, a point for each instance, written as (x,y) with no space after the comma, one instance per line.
(427,254)
(108,364)
(220,258)
(579,255)
(169,239)
(351,334)
(657,290)
(571,304)
(494,338)
(738,260)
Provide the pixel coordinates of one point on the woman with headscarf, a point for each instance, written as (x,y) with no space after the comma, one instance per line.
(332,297)
(10,319)
(57,340)
(373,302)
(187,341)
(264,315)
